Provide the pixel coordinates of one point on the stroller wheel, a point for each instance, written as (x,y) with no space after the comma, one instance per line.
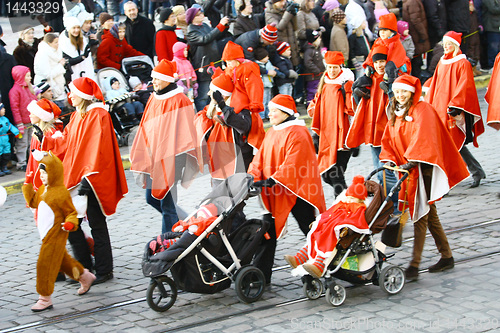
(335,294)
(249,284)
(161,294)
(392,279)
(313,288)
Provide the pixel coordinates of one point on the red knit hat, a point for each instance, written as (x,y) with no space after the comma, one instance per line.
(44,109)
(269,33)
(284,103)
(410,83)
(86,88)
(334,58)
(454,37)
(388,21)
(232,51)
(281,47)
(165,71)
(357,188)
(222,83)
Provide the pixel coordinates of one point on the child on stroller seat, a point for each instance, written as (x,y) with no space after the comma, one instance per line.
(134,109)
(329,227)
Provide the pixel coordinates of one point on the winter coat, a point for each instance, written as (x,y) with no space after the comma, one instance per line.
(409,46)
(165,39)
(202,40)
(140,34)
(313,63)
(266,79)
(20,96)
(284,66)
(7,62)
(305,20)
(79,67)
(473,42)
(5,128)
(457,14)
(491,15)
(47,67)
(286,24)
(250,41)
(326,23)
(414,14)
(338,40)
(25,54)
(435,12)
(245,23)
(358,46)
(112,51)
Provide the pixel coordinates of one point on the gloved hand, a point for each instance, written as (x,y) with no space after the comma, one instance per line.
(195,90)
(360,86)
(292,74)
(217,96)
(385,87)
(391,71)
(220,119)
(292,8)
(68,226)
(269,182)
(85,188)
(29,178)
(369,70)
(20,127)
(408,166)
(38,133)
(453,112)
(87,51)
(389,164)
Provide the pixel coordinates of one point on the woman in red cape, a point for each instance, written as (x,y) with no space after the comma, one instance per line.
(452,92)
(93,172)
(417,141)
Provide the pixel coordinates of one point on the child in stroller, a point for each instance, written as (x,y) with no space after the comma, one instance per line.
(207,258)
(135,109)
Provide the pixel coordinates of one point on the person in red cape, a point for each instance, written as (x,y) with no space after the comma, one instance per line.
(492,97)
(287,170)
(397,61)
(246,100)
(417,141)
(370,118)
(452,92)
(93,172)
(325,232)
(330,110)
(164,149)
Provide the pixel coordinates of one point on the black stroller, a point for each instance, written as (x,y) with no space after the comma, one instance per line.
(210,262)
(366,255)
(140,66)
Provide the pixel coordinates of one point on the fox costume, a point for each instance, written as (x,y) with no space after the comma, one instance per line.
(56,217)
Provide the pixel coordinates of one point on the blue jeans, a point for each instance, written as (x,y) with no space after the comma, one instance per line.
(135,108)
(166,207)
(114,9)
(202,100)
(493,39)
(267,97)
(390,177)
(286,89)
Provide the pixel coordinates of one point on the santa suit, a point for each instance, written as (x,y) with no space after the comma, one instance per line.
(492,97)
(32,165)
(395,52)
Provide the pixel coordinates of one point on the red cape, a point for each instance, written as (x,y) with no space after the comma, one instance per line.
(369,121)
(32,165)
(424,139)
(492,97)
(395,52)
(166,131)
(330,118)
(88,148)
(453,85)
(287,155)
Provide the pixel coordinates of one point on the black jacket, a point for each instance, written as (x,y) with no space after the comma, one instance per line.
(284,66)
(202,40)
(313,62)
(7,61)
(245,24)
(458,16)
(25,54)
(435,11)
(140,34)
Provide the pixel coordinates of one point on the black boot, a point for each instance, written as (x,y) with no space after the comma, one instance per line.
(442,265)
(5,158)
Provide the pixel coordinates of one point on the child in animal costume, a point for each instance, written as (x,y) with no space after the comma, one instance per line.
(56,218)
(327,229)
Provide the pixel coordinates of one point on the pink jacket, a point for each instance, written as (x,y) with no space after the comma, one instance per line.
(184,68)
(20,96)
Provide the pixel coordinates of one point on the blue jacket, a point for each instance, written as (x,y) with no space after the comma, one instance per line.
(5,128)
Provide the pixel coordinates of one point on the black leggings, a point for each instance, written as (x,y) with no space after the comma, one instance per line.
(335,175)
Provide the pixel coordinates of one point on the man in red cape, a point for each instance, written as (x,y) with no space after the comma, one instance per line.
(164,149)
(416,140)
(492,97)
(287,170)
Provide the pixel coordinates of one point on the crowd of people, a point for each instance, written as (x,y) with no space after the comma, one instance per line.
(355,65)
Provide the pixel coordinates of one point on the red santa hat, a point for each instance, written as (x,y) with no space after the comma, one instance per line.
(357,188)
(410,83)
(44,109)
(284,103)
(232,51)
(86,88)
(454,37)
(334,58)
(222,83)
(388,21)
(269,33)
(165,71)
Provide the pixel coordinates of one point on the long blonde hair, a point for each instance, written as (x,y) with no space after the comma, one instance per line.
(76,41)
(45,126)
(321,83)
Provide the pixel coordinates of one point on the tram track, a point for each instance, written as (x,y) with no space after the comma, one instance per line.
(80,314)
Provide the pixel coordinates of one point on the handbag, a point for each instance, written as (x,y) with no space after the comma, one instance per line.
(393,233)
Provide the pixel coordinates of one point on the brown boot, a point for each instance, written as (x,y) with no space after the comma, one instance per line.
(442,265)
(44,303)
(291,261)
(86,280)
(476,71)
(313,270)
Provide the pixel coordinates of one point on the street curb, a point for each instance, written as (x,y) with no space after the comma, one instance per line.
(15,186)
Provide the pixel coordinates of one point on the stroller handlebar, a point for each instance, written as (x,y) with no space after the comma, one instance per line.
(405,173)
(253,191)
